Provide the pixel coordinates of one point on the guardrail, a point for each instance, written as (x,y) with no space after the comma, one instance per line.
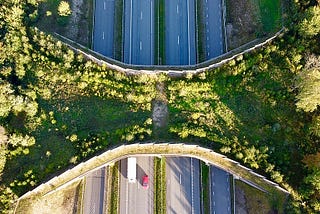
(163,149)
(177,71)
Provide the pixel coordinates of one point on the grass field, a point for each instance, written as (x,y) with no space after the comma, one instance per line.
(70,130)
(270,12)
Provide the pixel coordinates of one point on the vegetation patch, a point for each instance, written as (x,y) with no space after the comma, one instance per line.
(63,201)
(160,32)
(159,186)
(251,200)
(205,188)
(248,20)
(201,53)
(118,31)
(75,24)
(113,189)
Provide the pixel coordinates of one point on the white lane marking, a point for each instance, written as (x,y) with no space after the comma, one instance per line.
(189,48)
(177,9)
(178,40)
(127,197)
(140,45)
(130,53)
(151,23)
(104,5)
(192,186)
(102,35)
(141,15)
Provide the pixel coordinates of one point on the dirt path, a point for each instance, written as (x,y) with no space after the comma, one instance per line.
(160,114)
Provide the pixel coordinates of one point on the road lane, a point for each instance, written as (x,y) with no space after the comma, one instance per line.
(139,32)
(104,27)
(220,191)
(134,199)
(213,28)
(183,184)
(180,42)
(93,200)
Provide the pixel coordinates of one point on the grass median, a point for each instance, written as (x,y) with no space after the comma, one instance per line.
(159,185)
(205,188)
(118,30)
(160,32)
(201,53)
(113,194)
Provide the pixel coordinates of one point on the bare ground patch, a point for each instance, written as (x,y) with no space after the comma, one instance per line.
(242,22)
(160,112)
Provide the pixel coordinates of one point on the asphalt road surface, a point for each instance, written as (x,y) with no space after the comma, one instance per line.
(180,45)
(183,185)
(134,199)
(139,32)
(213,28)
(220,191)
(104,27)
(93,200)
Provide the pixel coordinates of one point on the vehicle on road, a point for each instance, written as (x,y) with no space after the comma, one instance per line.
(132,169)
(145,181)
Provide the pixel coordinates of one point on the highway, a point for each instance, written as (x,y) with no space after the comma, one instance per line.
(183,185)
(213,28)
(139,32)
(220,191)
(93,199)
(104,27)
(180,45)
(134,199)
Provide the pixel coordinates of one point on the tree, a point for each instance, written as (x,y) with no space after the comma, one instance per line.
(310,26)
(64,8)
(309,87)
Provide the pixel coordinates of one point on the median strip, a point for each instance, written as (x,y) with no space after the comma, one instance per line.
(160,32)
(118,23)
(113,187)
(159,185)
(205,188)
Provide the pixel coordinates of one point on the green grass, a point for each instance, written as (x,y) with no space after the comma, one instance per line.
(201,54)
(205,191)
(159,186)
(114,191)
(258,200)
(118,37)
(71,129)
(160,32)
(270,11)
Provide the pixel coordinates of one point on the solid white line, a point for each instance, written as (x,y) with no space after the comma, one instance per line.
(151,23)
(188,8)
(130,32)
(192,186)
(127,197)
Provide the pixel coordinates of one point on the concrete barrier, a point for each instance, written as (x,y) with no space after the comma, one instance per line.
(163,149)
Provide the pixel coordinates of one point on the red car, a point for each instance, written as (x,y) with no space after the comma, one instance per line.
(145,181)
